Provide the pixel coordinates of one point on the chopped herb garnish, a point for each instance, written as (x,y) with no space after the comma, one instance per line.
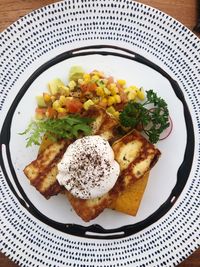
(153,121)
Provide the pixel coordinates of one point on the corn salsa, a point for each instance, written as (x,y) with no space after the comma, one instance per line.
(84,90)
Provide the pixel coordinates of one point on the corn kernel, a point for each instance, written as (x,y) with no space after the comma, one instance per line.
(72,85)
(132,95)
(80,81)
(113,89)
(106,91)
(53,98)
(111,100)
(61,110)
(62,100)
(47,97)
(100,91)
(133,87)
(111,110)
(86,77)
(121,82)
(113,85)
(117,99)
(95,78)
(104,100)
(88,104)
(69,98)
(56,104)
(140,94)
(105,81)
(95,100)
(116,114)
(64,90)
(98,73)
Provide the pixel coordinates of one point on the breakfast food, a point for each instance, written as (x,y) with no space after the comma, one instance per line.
(88,169)
(129,200)
(91,144)
(42,171)
(133,165)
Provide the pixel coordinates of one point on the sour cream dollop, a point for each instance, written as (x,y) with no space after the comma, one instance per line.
(88,169)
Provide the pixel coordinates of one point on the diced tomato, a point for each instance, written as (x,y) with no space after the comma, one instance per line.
(83,88)
(90,87)
(123,95)
(51,113)
(102,104)
(110,79)
(40,113)
(74,105)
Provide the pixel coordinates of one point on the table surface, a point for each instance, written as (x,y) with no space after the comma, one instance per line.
(183,10)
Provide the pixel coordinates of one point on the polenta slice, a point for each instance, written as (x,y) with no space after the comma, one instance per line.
(129,200)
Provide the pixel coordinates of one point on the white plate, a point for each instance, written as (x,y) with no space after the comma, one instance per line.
(147,48)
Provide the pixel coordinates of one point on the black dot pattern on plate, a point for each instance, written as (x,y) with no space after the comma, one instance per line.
(55,29)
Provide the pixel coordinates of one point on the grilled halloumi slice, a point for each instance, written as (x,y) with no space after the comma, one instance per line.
(104,124)
(136,156)
(42,172)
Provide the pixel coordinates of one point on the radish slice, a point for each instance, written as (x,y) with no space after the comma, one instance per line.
(167,131)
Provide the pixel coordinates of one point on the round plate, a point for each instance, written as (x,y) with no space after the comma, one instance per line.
(128,40)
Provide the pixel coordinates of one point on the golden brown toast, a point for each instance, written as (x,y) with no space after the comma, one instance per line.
(136,156)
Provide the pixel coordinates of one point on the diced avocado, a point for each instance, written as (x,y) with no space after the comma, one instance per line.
(107,91)
(75,73)
(40,101)
(54,86)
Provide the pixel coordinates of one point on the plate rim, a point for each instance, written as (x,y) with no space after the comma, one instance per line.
(140,4)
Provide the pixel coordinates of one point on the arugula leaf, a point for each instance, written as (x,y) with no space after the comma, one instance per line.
(67,127)
(153,121)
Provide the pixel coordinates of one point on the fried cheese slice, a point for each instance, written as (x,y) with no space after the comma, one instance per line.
(136,156)
(42,171)
(104,125)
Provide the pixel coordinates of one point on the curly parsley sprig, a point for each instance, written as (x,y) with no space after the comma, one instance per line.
(68,127)
(153,121)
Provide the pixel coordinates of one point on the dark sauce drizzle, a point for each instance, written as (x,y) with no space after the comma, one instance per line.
(78,230)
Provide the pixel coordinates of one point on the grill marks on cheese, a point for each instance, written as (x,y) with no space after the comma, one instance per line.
(104,125)
(140,162)
(135,155)
(42,171)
